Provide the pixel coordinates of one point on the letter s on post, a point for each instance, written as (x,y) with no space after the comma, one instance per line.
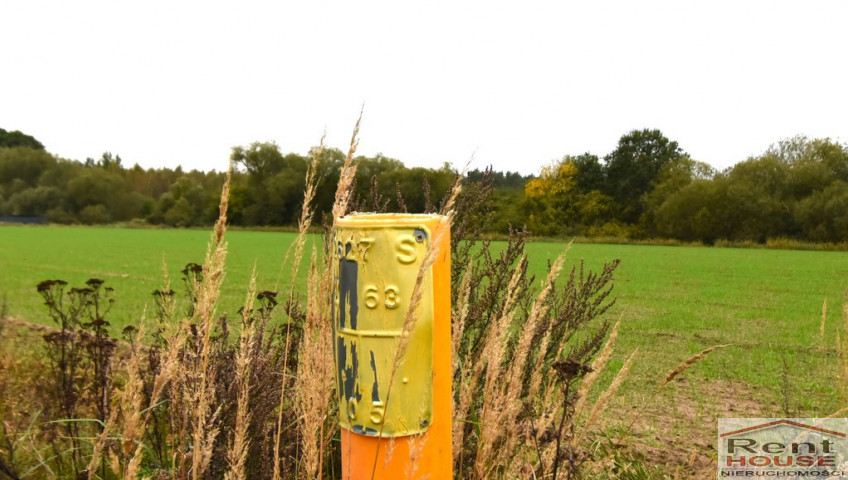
(405,247)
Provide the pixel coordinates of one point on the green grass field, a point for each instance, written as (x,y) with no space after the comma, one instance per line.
(133,262)
(677,301)
(673,301)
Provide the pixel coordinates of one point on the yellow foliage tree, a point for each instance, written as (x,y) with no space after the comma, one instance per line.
(554,181)
(551,196)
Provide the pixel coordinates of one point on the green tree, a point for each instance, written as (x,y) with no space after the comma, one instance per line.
(672,178)
(261,160)
(381,171)
(96,186)
(16,138)
(736,205)
(632,168)
(327,174)
(275,183)
(823,216)
(500,180)
(506,208)
(59,174)
(591,174)
(694,212)
(813,164)
(33,202)
(758,190)
(94,214)
(508,211)
(183,205)
(24,164)
(284,192)
(421,188)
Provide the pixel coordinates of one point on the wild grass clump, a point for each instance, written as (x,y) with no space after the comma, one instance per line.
(521,350)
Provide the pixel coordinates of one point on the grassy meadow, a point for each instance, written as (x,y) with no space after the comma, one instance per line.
(134,262)
(672,301)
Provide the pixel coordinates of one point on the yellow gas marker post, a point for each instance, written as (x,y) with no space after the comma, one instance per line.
(376,259)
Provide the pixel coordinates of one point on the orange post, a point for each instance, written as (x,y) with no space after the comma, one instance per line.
(394,412)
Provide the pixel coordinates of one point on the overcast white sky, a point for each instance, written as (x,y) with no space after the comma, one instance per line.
(167,83)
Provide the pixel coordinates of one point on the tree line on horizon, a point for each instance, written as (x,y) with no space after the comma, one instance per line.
(647,187)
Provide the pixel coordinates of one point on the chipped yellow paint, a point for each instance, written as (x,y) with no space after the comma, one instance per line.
(375,269)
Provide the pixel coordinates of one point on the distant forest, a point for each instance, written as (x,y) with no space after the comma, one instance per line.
(647,187)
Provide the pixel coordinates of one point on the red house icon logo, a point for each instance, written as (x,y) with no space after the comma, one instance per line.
(782,445)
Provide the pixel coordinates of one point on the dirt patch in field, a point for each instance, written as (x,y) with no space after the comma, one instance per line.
(21,335)
(675,430)
(15,325)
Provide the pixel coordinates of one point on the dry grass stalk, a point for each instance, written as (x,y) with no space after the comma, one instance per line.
(822,324)
(493,355)
(540,309)
(130,417)
(344,191)
(842,353)
(100,445)
(306,212)
(461,405)
(306,217)
(175,335)
(314,380)
(537,377)
(315,387)
(238,447)
(174,377)
(130,407)
(512,391)
(311,385)
(459,314)
(390,451)
(502,402)
(416,446)
(456,189)
(556,416)
(597,367)
(688,363)
(205,429)
(135,416)
(492,351)
(277,475)
(604,399)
